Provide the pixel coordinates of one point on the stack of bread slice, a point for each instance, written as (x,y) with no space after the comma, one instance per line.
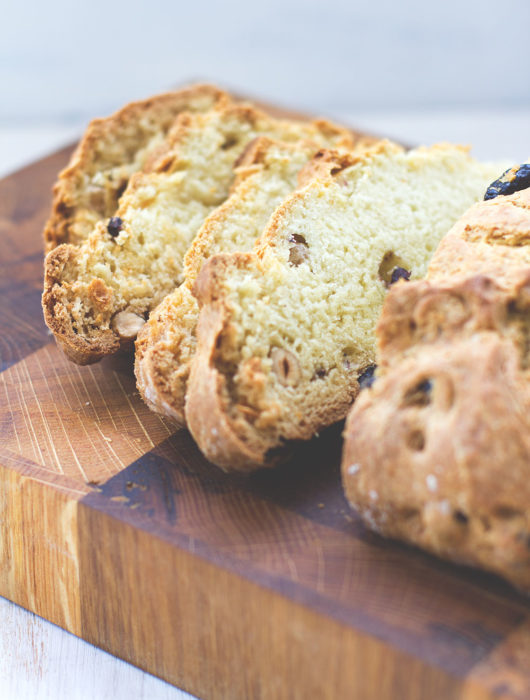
(266,174)
(98,293)
(286,330)
(269,246)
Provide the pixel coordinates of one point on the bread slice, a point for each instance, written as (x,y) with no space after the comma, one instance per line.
(166,345)
(97,295)
(286,330)
(437,452)
(111,150)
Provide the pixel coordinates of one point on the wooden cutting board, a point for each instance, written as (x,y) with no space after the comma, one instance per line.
(113,526)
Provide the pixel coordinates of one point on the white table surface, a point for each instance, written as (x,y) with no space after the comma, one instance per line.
(38,659)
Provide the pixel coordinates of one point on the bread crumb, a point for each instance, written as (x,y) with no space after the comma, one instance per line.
(353,468)
(432,482)
(373,495)
(369,518)
(444,507)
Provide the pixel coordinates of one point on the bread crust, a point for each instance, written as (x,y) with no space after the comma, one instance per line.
(206,411)
(437,452)
(100,133)
(58,316)
(151,358)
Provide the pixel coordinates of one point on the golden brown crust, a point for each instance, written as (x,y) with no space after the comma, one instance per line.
(206,412)
(57,313)
(154,361)
(437,452)
(99,150)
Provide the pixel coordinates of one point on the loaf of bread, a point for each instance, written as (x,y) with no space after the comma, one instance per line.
(437,451)
(97,295)
(286,330)
(267,173)
(111,150)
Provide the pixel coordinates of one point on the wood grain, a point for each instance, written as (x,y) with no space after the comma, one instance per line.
(114,527)
(85,423)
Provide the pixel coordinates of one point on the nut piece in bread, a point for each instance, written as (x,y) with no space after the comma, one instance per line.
(111,150)
(437,451)
(286,330)
(137,257)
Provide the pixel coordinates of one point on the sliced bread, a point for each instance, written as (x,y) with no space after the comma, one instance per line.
(286,330)
(111,150)
(437,451)
(97,295)
(166,345)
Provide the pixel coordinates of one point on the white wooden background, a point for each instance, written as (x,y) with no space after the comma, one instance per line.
(39,661)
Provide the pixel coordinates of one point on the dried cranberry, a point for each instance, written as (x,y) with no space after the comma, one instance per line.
(513,180)
(399,273)
(367,378)
(114,226)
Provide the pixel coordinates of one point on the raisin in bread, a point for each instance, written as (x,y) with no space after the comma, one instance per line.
(437,451)
(285,330)
(111,150)
(166,345)
(97,295)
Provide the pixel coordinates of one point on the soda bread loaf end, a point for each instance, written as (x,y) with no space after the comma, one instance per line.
(437,451)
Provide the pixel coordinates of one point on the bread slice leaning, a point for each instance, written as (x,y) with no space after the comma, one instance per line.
(285,330)
(111,150)
(267,173)
(97,295)
(437,451)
